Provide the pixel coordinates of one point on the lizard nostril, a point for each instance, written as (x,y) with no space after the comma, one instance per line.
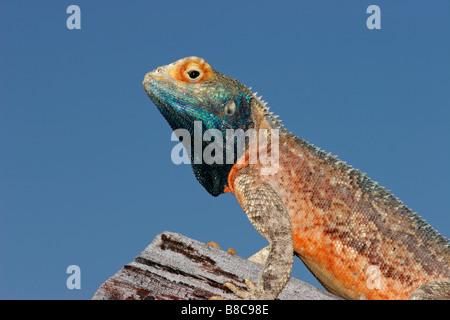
(157,71)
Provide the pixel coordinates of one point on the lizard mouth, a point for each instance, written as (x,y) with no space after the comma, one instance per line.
(150,87)
(152,76)
(156,89)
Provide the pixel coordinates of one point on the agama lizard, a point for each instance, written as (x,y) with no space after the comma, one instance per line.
(358,239)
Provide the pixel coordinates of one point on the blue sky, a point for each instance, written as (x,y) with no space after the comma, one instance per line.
(85,171)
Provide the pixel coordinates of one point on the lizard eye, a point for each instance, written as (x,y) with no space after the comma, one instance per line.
(230,108)
(194,74)
(191,70)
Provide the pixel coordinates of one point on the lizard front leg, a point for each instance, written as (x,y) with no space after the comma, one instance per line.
(267,213)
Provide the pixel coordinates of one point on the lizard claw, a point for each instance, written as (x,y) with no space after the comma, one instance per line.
(217,298)
(215,245)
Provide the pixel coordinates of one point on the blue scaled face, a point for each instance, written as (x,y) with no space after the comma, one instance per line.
(189,90)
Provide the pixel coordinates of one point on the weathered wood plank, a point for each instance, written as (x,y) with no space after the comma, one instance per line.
(176,267)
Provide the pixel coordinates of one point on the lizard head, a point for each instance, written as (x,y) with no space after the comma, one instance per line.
(190,90)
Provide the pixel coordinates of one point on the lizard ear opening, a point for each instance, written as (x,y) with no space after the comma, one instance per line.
(230,108)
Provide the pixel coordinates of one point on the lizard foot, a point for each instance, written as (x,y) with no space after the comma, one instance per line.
(244,295)
(251,294)
(215,245)
(231,251)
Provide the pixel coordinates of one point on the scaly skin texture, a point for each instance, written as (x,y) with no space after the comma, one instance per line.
(358,240)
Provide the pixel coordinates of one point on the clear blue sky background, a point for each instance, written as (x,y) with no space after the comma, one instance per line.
(85,171)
